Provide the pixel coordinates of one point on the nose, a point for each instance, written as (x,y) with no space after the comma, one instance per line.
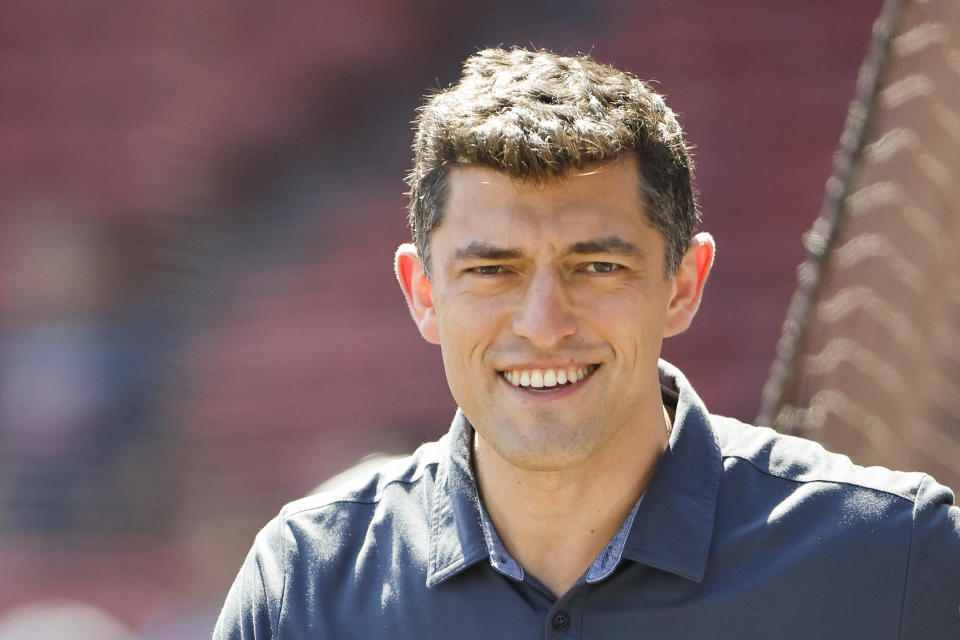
(545,315)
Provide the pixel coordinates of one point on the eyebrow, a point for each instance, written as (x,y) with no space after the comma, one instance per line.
(610,245)
(485,251)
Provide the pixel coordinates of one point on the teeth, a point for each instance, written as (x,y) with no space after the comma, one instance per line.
(536,379)
(546,378)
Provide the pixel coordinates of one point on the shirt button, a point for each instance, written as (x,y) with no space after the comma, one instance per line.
(561,621)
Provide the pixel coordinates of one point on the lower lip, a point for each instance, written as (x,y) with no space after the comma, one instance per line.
(535,394)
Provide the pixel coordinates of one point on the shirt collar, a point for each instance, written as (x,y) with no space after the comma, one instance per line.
(604,564)
(456,535)
(670,528)
(674,524)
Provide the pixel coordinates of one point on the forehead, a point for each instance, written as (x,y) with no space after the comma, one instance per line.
(600,199)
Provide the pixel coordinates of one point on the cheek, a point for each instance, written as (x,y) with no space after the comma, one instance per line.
(464,338)
(633,328)
(463,331)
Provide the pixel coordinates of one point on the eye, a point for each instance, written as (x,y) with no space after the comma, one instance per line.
(602,267)
(487,270)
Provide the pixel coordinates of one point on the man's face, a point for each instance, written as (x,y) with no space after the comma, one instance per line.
(550,305)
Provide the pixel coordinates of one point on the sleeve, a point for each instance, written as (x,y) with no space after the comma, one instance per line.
(252,607)
(931,599)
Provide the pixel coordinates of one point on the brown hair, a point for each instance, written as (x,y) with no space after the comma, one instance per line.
(536,115)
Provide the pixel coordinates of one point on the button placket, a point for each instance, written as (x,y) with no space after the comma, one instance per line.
(561,621)
(564,618)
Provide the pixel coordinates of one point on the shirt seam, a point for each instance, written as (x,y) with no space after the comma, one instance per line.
(433,561)
(376,499)
(906,573)
(911,499)
(283,587)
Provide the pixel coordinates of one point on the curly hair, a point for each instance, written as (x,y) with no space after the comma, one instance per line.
(535,115)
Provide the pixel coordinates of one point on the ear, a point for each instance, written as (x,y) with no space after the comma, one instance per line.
(417,290)
(688,284)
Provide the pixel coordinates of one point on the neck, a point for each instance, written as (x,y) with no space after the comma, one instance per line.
(556,522)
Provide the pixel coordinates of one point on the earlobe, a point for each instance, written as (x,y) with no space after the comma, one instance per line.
(689,281)
(417,290)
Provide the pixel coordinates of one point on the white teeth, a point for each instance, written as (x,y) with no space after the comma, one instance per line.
(546,378)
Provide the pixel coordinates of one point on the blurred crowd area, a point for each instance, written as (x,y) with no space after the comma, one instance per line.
(199,203)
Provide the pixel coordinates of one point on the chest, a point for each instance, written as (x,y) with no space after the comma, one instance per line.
(637,601)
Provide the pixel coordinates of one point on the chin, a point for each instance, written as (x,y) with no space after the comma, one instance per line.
(543,448)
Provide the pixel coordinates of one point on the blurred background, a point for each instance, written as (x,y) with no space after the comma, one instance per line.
(199,203)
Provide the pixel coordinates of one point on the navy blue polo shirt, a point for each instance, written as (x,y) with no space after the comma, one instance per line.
(742,533)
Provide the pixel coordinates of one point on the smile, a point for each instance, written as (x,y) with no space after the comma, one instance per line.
(548,378)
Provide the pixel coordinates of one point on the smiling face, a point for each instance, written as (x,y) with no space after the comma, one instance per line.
(549,303)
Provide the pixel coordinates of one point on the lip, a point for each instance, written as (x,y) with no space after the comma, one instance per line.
(532,394)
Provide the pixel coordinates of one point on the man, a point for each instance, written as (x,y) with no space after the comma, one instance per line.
(583,489)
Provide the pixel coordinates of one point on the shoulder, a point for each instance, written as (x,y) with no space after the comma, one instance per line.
(327,528)
(345,539)
(801,461)
(797,486)
(349,503)
(883,538)
(356,533)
